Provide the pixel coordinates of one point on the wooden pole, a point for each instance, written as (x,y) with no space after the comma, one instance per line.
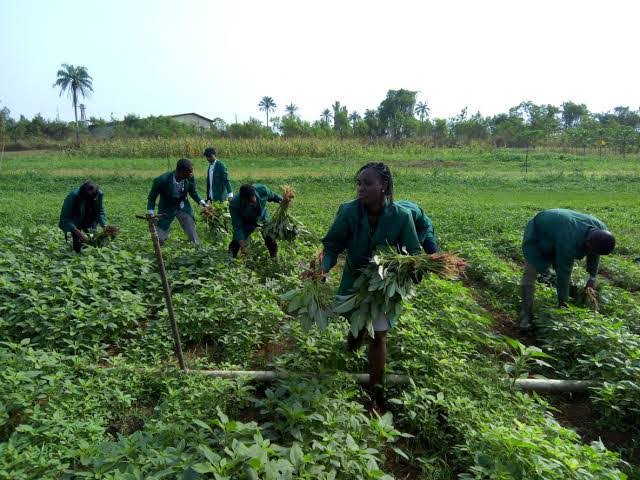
(153,219)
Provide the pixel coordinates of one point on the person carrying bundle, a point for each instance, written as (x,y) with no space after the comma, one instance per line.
(558,237)
(424,226)
(248,211)
(173,188)
(82,211)
(372,220)
(218,185)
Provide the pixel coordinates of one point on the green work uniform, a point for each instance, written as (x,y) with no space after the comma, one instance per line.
(557,237)
(424,226)
(351,232)
(218,187)
(170,204)
(245,218)
(72,215)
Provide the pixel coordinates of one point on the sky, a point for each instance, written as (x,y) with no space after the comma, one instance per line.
(219,58)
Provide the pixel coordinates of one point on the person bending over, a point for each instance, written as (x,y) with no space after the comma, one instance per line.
(557,238)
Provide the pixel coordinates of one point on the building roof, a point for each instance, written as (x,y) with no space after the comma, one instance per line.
(192,113)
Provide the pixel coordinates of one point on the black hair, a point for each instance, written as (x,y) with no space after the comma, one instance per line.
(184,165)
(247,191)
(209,152)
(88,190)
(383,173)
(602,241)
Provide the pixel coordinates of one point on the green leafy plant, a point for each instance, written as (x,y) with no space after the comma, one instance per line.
(282,225)
(312,302)
(217,218)
(522,357)
(386,281)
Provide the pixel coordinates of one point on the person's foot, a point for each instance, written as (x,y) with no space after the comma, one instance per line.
(374,409)
(377,403)
(525,322)
(526,314)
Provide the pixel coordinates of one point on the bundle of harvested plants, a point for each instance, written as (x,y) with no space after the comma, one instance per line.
(387,280)
(217,219)
(103,238)
(282,225)
(311,303)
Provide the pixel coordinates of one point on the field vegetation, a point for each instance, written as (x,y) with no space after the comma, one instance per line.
(90,388)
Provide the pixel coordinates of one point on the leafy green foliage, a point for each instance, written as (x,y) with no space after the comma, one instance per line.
(217,219)
(386,281)
(312,302)
(282,225)
(112,405)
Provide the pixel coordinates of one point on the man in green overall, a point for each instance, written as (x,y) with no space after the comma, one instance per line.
(218,185)
(424,226)
(557,238)
(174,188)
(248,211)
(82,211)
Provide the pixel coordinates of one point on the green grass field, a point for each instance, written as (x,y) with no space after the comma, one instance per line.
(82,397)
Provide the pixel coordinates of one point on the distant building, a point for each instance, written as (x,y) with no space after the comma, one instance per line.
(101,132)
(193,119)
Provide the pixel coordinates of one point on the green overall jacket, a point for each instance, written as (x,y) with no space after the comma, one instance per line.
(244,218)
(169,206)
(73,212)
(424,226)
(221,185)
(557,237)
(351,232)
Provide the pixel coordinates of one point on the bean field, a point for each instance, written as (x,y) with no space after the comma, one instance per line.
(89,384)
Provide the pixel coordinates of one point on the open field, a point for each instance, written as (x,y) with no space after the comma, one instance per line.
(82,397)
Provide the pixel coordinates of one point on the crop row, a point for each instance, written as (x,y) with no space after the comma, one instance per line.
(62,414)
(585,344)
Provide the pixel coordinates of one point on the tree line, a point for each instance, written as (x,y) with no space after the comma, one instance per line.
(399,117)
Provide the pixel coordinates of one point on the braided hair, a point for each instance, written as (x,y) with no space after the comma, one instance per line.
(87,196)
(384,174)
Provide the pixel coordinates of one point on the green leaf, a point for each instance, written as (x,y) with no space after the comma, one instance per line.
(296,455)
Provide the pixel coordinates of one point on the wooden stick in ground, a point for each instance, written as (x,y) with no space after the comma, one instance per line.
(152,219)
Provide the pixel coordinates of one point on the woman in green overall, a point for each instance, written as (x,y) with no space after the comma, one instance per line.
(361,225)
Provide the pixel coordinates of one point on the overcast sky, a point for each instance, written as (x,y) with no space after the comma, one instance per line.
(218,58)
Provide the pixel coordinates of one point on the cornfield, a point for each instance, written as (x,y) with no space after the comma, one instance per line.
(267,147)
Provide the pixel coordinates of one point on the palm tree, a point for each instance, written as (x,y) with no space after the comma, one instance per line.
(291,109)
(422,109)
(267,104)
(354,117)
(326,115)
(74,81)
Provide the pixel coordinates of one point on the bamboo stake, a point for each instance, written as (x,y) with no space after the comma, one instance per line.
(152,220)
(544,385)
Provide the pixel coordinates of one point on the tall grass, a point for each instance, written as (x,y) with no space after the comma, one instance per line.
(319,148)
(267,147)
